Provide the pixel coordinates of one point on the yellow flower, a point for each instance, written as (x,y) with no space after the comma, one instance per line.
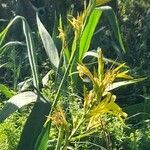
(78,22)
(62,34)
(101,81)
(99,101)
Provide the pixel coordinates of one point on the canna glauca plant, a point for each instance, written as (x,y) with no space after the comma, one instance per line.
(99,103)
(83,26)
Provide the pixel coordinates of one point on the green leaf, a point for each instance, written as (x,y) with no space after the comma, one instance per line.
(48,43)
(88,32)
(16,102)
(34,125)
(11,43)
(110,15)
(30,46)
(31,52)
(107,60)
(123,83)
(42,140)
(4,32)
(6,91)
(92,22)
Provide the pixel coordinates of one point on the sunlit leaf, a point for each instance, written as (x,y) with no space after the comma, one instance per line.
(16,102)
(48,43)
(124,75)
(88,32)
(31,52)
(6,91)
(123,83)
(93,53)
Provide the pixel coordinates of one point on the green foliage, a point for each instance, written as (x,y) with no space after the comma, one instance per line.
(60,119)
(136,32)
(34,125)
(48,43)
(10,131)
(134,137)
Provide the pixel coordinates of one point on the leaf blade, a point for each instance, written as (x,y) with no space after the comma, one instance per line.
(42,140)
(16,102)
(48,43)
(110,15)
(34,125)
(123,83)
(88,32)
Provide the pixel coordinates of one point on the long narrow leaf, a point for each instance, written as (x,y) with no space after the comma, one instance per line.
(34,125)
(123,83)
(48,43)
(4,32)
(31,52)
(110,15)
(17,102)
(107,60)
(42,140)
(88,32)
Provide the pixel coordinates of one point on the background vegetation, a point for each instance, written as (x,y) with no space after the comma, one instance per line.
(134,21)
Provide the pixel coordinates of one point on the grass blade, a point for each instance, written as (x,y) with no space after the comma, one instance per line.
(4,32)
(12,43)
(31,52)
(42,140)
(48,43)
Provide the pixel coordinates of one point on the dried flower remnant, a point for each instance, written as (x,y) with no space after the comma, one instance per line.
(58,117)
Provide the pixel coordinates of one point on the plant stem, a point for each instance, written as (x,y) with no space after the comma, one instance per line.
(60,138)
(77,127)
(82,136)
(73,132)
(60,86)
